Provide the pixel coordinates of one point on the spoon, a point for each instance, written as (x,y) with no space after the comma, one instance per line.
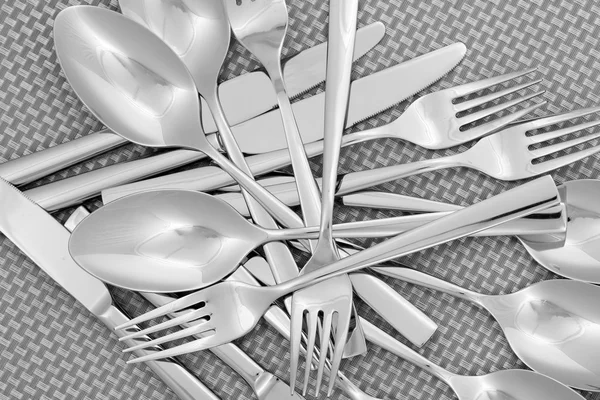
(512,384)
(578,259)
(165,228)
(552,326)
(139,88)
(162,231)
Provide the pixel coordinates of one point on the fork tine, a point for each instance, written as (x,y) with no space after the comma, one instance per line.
(500,123)
(325,339)
(310,347)
(172,307)
(467,105)
(191,347)
(542,137)
(196,329)
(340,338)
(182,319)
(558,162)
(467,119)
(544,151)
(473,87)
(556,119)
(297,317)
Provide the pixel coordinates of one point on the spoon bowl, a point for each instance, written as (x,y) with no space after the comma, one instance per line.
(513,384)
(579,258)
(139,88)
(145,242)
(552,326)
(197,31)
(115,76)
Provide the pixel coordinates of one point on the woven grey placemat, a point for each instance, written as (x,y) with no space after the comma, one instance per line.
(50,347)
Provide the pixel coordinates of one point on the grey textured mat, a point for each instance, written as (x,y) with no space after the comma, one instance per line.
(51,348)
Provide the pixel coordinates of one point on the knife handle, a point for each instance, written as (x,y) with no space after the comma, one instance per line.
(34,166)
(74,190)
(185,385)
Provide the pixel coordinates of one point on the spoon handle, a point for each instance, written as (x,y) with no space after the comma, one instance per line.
(271,203)
(428,281)
(310,199)
(382,339)
(521,201)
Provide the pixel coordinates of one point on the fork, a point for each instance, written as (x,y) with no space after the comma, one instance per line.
(437,121)
(505,155)
(260,26)
(327,306)
(212,178)
(229,310)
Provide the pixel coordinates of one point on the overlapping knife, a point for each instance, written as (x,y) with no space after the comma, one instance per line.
(243,97)
(45,241)
(263,134)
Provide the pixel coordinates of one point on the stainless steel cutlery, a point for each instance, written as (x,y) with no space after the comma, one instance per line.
(232,249)
(221,304)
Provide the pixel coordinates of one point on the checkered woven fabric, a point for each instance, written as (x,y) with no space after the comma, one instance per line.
(52,348)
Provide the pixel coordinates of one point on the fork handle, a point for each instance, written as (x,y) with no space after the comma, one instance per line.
(185,385)
(355,181)
(526,199)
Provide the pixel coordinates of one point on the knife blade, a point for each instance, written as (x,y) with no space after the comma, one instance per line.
(254,95)
(302,72)
(45,241)
(368,96)
(307,113)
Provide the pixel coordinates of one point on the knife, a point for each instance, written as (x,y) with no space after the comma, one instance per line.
(254,90)
(45,241)
(369,95)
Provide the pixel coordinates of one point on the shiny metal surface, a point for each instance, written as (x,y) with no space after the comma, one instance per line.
(374,89)
(514,384)
(504,155)
(248,95)
(579,258)
(138,87)
(553,326)
(326,308)
(261,26)
(169,241)
(235,308)
(45,241)
(385,89)
(576,259)
(302,72)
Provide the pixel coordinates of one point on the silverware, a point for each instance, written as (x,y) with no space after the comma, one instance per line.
(500,385)
(204,59)
(327,306)
(577,259)
(136,242)
(504,155)
(264,384)
(260,26)
(374,88)
(264,163)
(45,242)
(552,326)
(432,121)
(143,91)
(546,228)
(225,300)
(301,73)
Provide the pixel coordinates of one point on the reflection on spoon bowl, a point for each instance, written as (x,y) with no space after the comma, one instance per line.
(580,257)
